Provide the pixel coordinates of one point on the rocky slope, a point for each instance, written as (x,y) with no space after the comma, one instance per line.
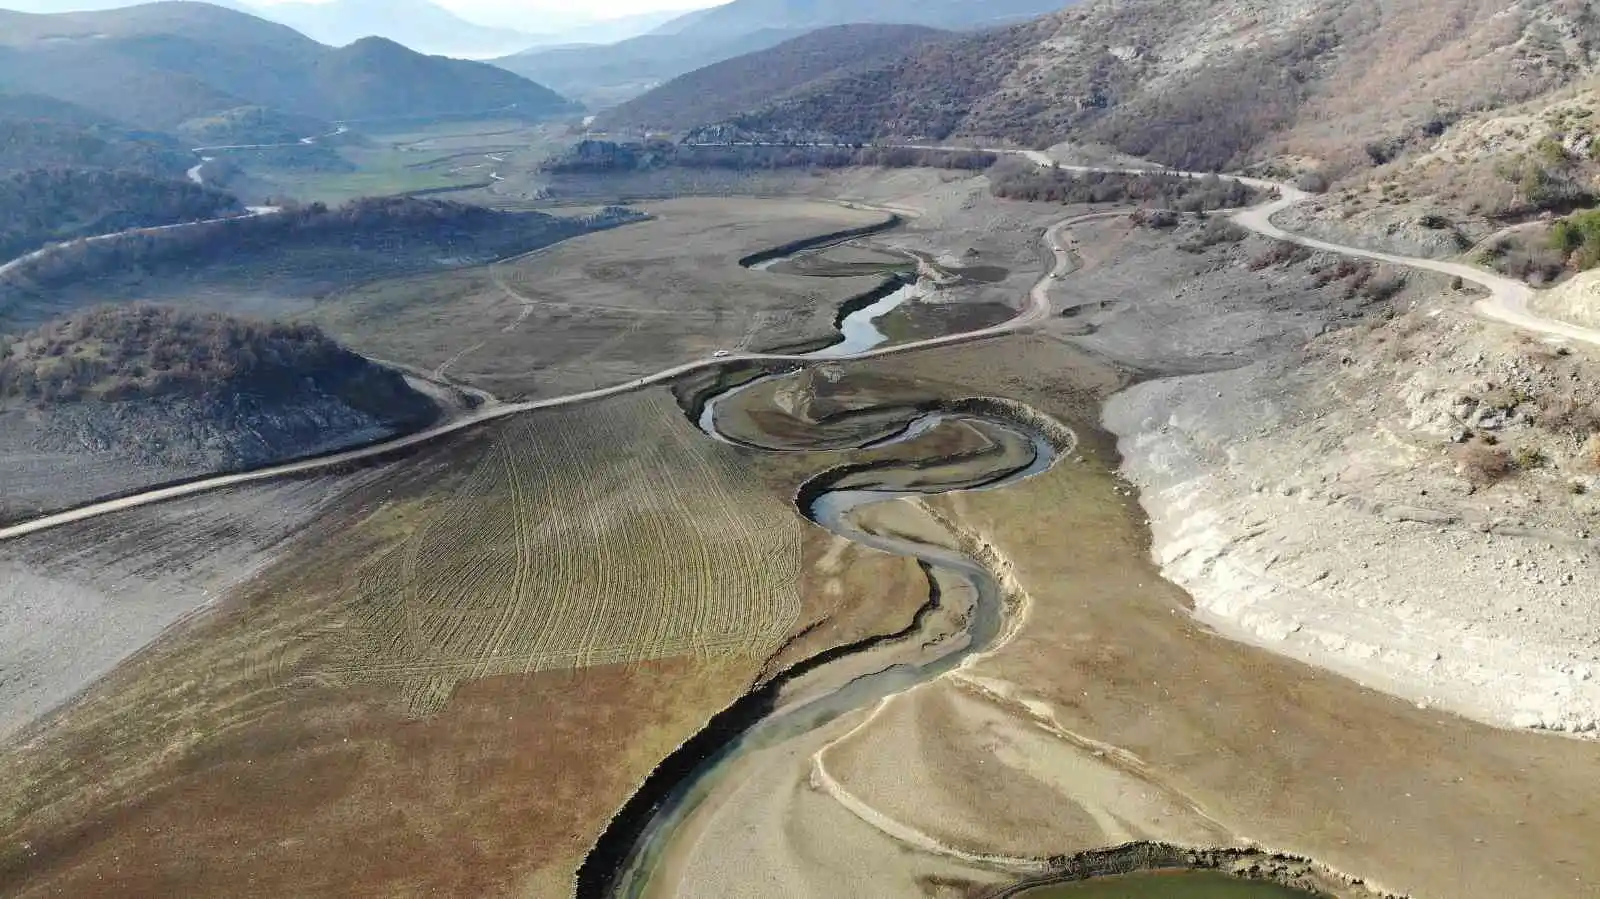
(1214,83)
(1344,465)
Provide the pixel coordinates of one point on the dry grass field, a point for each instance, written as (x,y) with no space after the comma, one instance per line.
(579,538)
(608,307)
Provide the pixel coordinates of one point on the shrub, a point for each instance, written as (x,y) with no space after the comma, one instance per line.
(1577,238)
(1215,232)
(1527,458)
(1382,285)
(1565,415)
(1282,252)
(1162,219)
(1312,182)
(1482,464)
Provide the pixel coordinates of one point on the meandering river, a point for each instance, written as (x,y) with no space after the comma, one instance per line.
(650,830)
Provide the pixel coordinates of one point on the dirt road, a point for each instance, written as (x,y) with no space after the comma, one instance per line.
(1507,301)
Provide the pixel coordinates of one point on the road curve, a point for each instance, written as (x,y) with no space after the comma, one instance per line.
(1508,302)
(1509,299)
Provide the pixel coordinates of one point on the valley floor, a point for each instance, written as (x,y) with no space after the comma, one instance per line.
(1299,454)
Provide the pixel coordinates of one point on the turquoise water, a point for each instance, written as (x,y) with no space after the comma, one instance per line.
(1167,885)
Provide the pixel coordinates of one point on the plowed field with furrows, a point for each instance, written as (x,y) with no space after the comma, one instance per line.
(578,540)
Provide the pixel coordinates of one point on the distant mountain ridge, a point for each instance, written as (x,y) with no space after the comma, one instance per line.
(745,16)
(166,63)
(753,80)
(417,24)
(605,76)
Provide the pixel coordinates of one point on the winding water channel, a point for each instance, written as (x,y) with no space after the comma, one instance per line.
(629,853)
(648,831)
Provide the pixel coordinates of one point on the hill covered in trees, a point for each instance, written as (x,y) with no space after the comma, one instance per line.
(306,250)
(251,125)
(137,351)
(47,205)
(119,398)
(1016,179)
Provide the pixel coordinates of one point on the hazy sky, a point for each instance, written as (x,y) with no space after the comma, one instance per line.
(493,11)
(522,13)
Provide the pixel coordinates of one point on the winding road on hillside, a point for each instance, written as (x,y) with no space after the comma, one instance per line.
(1508,302)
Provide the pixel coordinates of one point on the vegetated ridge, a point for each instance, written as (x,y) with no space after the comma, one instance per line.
(598,157)
(185,389)
(1209,84)
(246,125)
(727,88)
(315,247)
(163,64)
(1018,179)
(42,206)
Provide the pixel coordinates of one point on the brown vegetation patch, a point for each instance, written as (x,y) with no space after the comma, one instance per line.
(126,352)
(1022,180)
(1484,464)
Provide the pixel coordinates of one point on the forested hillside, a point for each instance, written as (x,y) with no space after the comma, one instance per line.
(127,352)
(175,393)
(43,206)
(596,157)
(251,125)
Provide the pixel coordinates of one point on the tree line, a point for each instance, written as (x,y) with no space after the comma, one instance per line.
(1025,181)
(597,157)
